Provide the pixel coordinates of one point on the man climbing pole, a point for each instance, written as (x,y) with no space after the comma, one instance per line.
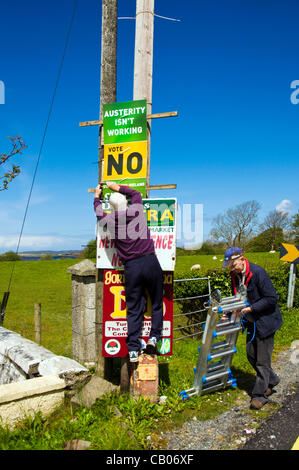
(135,248)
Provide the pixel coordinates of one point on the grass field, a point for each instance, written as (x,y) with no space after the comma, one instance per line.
(47,282)
(184,262)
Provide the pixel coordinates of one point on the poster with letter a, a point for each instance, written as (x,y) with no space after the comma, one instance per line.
(161,217)
(115,316)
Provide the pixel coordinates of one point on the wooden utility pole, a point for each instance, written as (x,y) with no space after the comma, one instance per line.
(143,74)
(107,95)
(143,65)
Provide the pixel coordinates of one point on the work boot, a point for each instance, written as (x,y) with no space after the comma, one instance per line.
(255,404)
(269,390)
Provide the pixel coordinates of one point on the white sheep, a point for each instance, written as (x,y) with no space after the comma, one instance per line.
(195,266)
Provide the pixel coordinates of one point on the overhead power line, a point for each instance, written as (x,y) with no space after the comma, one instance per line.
(6,294)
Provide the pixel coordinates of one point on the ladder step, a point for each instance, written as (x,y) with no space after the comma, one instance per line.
(221,353)
(215,366)
(215,375)
(220,344)
(227,331)
(232,306)
(210,388)
(212,367)
(222,324)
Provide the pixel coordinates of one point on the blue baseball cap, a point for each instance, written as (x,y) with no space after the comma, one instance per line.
(231,253)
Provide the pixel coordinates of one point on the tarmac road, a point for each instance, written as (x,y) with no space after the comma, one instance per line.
(281,430)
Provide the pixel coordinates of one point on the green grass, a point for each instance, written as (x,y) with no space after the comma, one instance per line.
(45,282)
(185,262)
(48,282)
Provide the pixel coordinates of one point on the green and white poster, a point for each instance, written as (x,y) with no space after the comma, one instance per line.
(135,183)
(124,122)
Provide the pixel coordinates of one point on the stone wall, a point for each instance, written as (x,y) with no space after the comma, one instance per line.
(19,400)
(22,359)
(34,379)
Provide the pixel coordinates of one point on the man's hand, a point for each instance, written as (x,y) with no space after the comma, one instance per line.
(243,312)
(98,191)
(246,310)
(113,186)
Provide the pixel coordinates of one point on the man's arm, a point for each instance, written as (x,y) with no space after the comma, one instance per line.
(127,191)
(97,203)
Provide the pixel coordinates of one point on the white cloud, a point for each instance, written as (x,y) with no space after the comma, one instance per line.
(284,206)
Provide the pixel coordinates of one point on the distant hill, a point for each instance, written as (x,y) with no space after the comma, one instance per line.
(34,255)
(49,252)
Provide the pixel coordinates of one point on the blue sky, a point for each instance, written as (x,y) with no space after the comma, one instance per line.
(226,67)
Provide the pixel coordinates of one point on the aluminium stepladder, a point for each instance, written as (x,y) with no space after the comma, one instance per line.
(209,375)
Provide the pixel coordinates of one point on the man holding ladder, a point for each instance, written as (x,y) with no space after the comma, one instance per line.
(262,318)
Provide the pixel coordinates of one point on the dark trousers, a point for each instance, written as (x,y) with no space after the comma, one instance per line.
(143,273)
(259,354)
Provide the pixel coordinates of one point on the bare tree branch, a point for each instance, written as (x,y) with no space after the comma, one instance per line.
(237,224)
(10,170)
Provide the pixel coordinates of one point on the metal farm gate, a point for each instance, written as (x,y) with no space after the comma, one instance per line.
(192,310)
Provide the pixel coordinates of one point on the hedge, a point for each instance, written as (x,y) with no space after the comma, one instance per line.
(220,279)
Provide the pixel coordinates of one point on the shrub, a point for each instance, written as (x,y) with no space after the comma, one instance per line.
(10,256)
(46,257)
(90,252)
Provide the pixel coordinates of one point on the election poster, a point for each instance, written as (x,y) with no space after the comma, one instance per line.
(125,145)
(161,217)
(115,316)
(124,122)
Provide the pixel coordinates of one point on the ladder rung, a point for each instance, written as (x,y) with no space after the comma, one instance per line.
(224,324)
(226,300)
(218,345)
(227,331)
(215,375)
(232,306)
(211,388)
(221,353)
(212,367)
(215,366)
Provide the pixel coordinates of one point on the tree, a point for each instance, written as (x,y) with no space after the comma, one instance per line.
(264,241)
(9,171)
(90,252)
(274,223)
(10,256)
(295,228)
(237,224)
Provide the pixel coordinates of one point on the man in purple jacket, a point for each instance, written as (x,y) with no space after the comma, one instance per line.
(135,248)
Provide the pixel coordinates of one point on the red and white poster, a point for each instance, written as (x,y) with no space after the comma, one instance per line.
(115,316)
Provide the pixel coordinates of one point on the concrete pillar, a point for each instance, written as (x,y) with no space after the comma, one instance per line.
(84,312)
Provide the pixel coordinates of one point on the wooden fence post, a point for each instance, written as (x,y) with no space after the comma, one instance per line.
(37,323)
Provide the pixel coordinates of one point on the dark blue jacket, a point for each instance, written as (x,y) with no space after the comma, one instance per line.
(263,300)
